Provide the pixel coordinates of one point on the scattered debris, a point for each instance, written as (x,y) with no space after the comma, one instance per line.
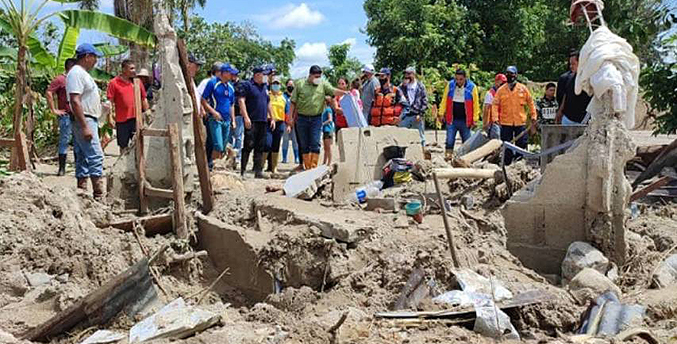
(607,316)
(104,337)
(37,279)
(666,273)
(472,282)
(306,184)
(581,255)
(383,204)
(417,288)
(493,322)
(175,320)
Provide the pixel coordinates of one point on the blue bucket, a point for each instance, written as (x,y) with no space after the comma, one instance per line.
(413,208)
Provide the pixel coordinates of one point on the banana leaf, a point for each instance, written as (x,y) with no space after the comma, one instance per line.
(100,75)
(38,51)
(7,52)
(112,25)
(109,50)
(67,46)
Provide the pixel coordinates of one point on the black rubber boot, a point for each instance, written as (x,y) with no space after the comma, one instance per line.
(62,165)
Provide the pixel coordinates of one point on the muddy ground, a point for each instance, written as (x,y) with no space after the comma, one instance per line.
(49,228)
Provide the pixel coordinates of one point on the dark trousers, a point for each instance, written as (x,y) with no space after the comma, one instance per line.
(125,132)
(508,133)
(209,144)
(274,137)
(254,140)
(309,133)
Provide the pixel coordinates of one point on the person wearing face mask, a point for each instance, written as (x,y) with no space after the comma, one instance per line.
(490,127)
(256,113)
(417,96)
(389,102)
(459,109)
(274,133)
(289,135)
(308,103)
(369,86)
(511,101)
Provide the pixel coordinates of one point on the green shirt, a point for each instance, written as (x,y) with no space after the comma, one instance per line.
(309,98)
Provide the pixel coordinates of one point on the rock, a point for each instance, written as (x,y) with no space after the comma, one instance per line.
(7,338)
(104,337)
(468,201)
(666,274)
(37,279)
(581,255)
(175,320)
(590,283)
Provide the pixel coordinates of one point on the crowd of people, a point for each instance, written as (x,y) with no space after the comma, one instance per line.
(264,113)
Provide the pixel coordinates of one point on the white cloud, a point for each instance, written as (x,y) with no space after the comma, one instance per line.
(315,53)
(312,51)
(293,17)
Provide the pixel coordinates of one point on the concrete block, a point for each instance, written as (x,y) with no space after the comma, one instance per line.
(564,224)
(385,204)
(347,226)
(236,249)
(525,222)
(305,184)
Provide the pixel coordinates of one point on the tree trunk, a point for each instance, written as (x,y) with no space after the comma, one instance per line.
(139,12)
(184,14)
(20,84)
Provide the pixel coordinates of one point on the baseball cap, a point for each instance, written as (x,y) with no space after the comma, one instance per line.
(277,79)
(143,72)
(269,68)
(257,69)
(86,49)
(193,59)
(410,70)
(315,70)
(385,71)
(226,68)
(501,77)
(511,69)
(234,70)
(368,69)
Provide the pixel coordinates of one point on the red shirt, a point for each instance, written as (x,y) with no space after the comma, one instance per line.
(121,93)
(58,87)
(340,120)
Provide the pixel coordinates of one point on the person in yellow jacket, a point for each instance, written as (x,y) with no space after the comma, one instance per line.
(459,109)
(510,102)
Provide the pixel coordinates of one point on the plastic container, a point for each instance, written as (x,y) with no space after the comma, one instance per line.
(413,208)
(371,190)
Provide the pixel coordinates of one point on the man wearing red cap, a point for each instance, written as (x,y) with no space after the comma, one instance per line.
(492,128)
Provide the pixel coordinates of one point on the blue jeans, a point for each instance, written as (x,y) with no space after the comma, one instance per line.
(494,131)
(220,131)
(65,133)
(457,126)
(508,133)
(88,154)
(286,137)
(567,121)
(274,137)
(237,135)
(309,131)
(411,123)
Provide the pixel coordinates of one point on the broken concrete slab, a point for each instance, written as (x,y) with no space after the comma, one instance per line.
(175,320)
(589,283)
(332,225)
(581,255)
(104,337)
(236,249)
(361,157)
(305,184)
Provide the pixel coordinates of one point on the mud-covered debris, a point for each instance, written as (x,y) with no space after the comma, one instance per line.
(581,255)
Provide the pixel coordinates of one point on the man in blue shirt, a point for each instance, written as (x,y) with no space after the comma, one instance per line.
(221,113)
(254,103)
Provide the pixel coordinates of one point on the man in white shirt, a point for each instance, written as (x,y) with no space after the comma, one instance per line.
(85,102)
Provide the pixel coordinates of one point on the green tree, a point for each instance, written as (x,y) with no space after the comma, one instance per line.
(341,65)
(239,45)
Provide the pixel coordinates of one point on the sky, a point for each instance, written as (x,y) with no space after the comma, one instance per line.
(314,25)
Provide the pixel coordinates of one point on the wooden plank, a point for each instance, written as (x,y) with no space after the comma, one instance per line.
(466,173)
(447,227)
(177,182)
(23,160)
(482,152)
(140,158)
(9,143)
(153,225)
(652,187)
(97,308)
(200,136)
(157,192)
(155,132)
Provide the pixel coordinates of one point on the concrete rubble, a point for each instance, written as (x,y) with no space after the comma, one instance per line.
(306,184)
(581,255)
(666,273)
(175,320)
(104,337)
(589,283)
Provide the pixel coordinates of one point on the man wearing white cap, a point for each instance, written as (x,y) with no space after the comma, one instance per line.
(369,86)
(417,96)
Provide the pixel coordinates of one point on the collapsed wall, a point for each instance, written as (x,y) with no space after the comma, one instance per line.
(173,105)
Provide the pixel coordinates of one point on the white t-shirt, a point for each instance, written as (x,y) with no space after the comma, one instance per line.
(411,90)
(489,98)
(200,90)
(459,94)
(78,81)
